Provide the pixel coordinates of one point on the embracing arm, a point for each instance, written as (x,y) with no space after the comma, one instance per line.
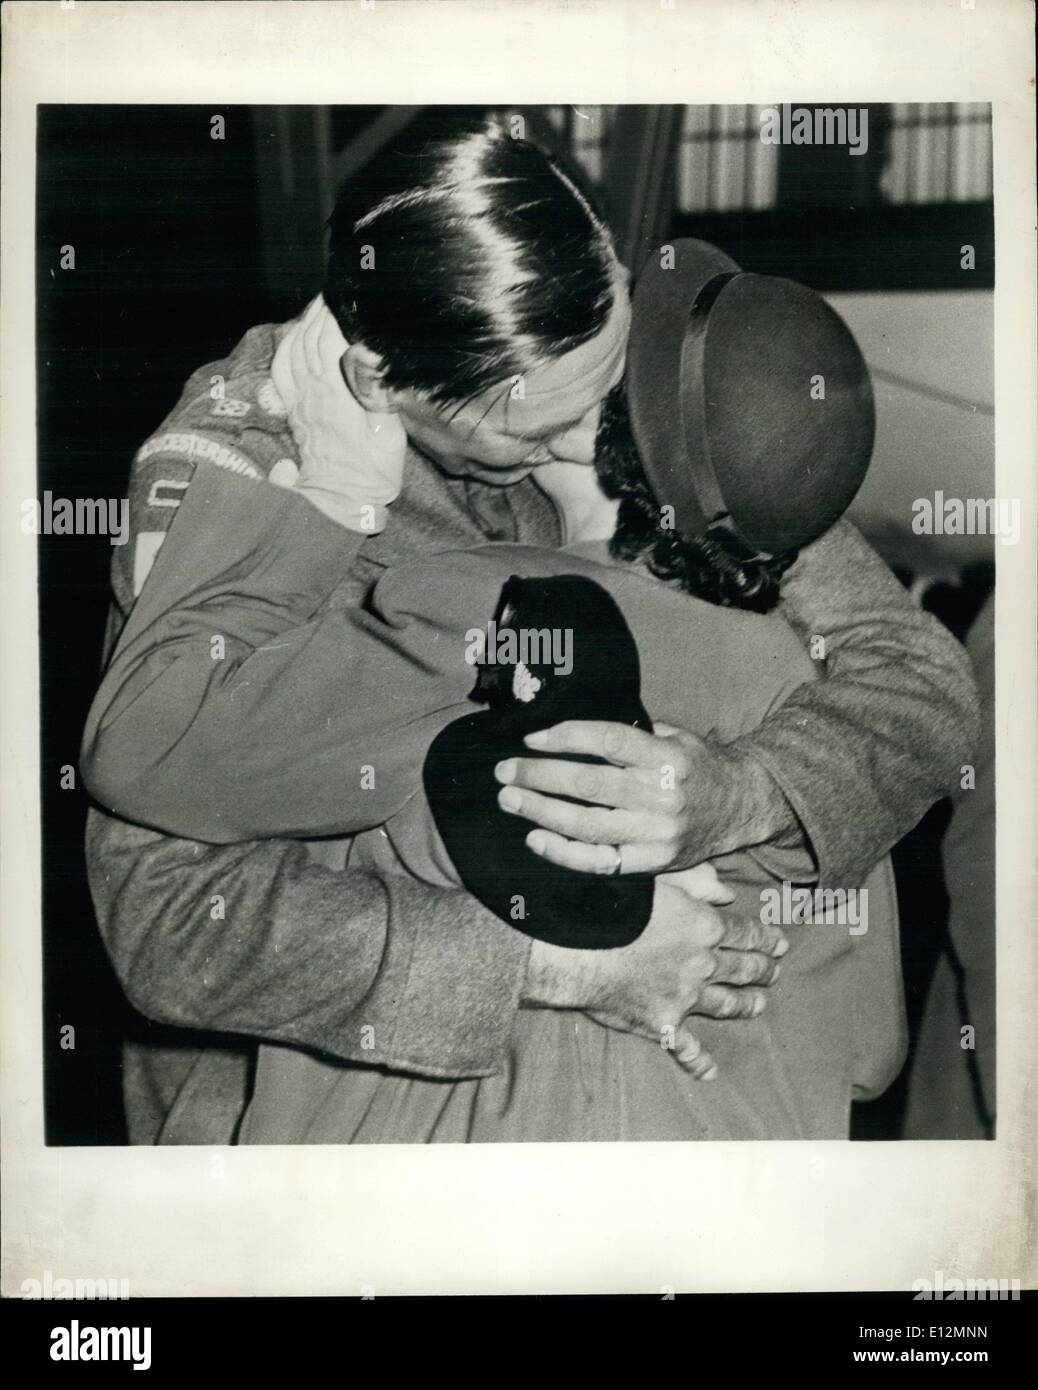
(862,754)
(238,704)
(259,939)
(214,716)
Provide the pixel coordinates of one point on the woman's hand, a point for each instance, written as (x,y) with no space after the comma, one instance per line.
(351,459)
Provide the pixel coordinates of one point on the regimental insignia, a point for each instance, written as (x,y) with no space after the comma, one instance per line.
(198,446)
(525,684)
(230,407)
(166,492)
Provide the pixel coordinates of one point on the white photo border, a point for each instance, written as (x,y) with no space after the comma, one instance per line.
(523,1218)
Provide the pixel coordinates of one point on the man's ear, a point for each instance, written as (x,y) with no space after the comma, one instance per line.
(362,371)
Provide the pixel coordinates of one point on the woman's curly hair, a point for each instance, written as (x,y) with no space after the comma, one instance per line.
(717,567)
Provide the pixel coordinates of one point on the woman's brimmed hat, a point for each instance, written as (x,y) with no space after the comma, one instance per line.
(749,399)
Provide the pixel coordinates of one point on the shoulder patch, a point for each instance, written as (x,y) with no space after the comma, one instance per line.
(164,492)
(229,406)
(194,446)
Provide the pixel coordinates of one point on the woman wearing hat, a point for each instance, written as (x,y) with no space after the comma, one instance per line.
(712,467)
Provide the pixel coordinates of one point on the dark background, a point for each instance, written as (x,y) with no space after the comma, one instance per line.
(181,243)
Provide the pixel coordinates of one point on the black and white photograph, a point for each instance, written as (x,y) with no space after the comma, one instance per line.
(464,770)
(516,594)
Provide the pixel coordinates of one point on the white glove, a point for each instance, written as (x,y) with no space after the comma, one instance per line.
(352,459)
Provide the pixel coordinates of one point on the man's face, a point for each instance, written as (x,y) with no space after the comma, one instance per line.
(505,432)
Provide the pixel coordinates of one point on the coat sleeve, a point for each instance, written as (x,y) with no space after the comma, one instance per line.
(239,704)
(862,754)
(257,938)
(260,940)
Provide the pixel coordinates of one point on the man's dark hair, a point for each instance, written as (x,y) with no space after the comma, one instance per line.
(485,259)
(717,566)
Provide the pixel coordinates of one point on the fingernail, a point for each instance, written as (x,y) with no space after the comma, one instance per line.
(538,739)
(509,799)
(782,947)
(505,772)
(535,841)
(758,1006)
(776,973)
(710,1075)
